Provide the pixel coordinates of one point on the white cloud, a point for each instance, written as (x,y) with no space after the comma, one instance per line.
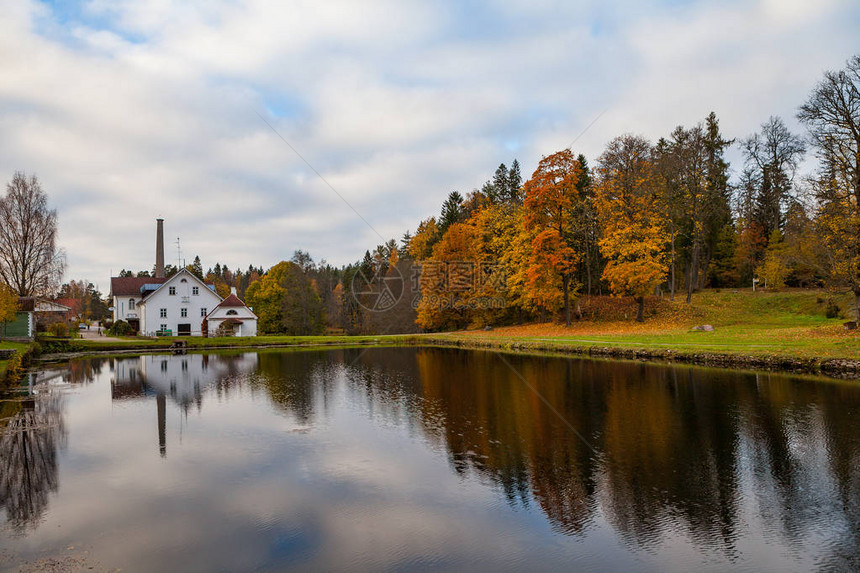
(130,110)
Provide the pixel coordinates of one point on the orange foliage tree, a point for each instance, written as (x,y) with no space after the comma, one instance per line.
(448,280)
(550,215)
(634,233)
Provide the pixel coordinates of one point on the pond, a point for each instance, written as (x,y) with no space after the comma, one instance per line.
(426,459)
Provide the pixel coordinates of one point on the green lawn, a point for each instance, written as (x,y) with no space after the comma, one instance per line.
(789,324)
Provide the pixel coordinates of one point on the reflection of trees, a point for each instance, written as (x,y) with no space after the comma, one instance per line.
(805,457)
(293,378)
(676,446)
(670,455)
(28,460)
(493,424)
(84,371)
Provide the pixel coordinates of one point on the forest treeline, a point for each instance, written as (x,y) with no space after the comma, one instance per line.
(667,217)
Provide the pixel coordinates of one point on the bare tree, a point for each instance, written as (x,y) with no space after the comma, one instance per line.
(832,115)
(774,154)
(29,259)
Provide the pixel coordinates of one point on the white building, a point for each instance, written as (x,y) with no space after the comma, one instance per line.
(179,305)
(233,316)
(127,292)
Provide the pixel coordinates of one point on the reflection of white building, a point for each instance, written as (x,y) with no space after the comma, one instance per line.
(182,377)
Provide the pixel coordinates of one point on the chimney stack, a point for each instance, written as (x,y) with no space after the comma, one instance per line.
(159,249)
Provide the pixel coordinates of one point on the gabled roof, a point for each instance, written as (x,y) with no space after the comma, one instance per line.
(74,304)
(130,286)
(231,300)
(31,303)
(180,273)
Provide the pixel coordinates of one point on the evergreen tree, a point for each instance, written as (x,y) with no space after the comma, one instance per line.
(452,211)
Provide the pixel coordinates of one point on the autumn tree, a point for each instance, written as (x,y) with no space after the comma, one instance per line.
(286,302)
(421,244)
(448,280)
(634,235)
(550,214)
(8,304)
(832,116)
(302,310)
(29,259)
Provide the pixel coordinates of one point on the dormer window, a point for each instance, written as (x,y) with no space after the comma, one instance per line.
(131,304)
(232,313)
(171,291)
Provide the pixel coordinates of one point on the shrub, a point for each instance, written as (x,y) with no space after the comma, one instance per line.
(224,330)
(120,328)
(832,309)
(58,329)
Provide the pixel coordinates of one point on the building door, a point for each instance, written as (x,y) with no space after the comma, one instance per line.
(183,329)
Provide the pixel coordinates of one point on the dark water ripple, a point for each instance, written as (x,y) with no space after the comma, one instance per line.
(428,459)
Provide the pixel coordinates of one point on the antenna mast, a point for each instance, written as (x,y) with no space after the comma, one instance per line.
(179,264)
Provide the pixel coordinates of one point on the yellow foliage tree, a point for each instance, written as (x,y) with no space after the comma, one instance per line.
(448,280)
(8,303)
(502,248)
(634,234)
(421,245)
(774,269)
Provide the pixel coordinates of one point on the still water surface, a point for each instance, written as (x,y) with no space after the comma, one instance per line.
(428,459)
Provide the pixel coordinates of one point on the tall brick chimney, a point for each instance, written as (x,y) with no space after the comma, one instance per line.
(159,249)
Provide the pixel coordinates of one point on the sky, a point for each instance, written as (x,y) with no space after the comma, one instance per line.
(258,128)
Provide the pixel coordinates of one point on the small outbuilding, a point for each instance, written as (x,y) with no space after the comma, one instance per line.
(232,318)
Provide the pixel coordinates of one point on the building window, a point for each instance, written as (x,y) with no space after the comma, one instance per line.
(203,313)
(131,304)
(162,313)
(232,313)
(184,281)
(171,290)
(183,312)
(195,290)
(163,328)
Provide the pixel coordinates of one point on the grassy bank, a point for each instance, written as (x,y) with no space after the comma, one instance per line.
(784,330)
(790,324)
(10,366)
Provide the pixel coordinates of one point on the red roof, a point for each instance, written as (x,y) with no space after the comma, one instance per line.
(231,300)
(130,286)
(73,303)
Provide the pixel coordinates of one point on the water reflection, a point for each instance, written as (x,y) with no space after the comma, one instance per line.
(685,466)
(29,443)
(185,378)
